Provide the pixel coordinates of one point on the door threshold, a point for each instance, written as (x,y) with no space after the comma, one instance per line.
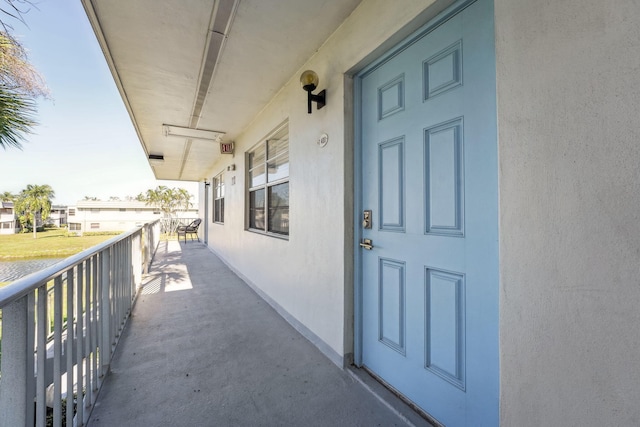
(408,411)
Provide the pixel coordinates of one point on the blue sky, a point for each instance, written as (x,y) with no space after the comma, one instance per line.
(85,144)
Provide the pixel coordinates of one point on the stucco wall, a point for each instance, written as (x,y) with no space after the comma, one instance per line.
(568,81)
(309,275)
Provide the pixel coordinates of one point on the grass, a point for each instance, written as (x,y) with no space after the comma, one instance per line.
(168,236)
(50,243)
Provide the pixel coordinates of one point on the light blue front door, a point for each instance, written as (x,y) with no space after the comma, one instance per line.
(428,174)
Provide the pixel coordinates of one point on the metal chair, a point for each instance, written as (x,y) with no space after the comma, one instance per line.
(189,229)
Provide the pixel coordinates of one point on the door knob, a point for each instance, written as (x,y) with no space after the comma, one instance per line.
(367,244)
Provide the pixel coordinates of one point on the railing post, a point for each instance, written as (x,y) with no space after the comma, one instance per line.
(81,333)
(137,260)
(116,290)
(57,351)
(71,283)
(31,339)
(13,385)
(41,355)
(145,242)
(96,332)
(105,310)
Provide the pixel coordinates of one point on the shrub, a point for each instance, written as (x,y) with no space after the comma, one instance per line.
(102,233)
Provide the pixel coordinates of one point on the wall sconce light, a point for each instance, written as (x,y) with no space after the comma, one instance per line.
(206,183)
(309,81)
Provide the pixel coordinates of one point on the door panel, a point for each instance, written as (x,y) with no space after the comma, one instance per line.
(391,185)
(429,284)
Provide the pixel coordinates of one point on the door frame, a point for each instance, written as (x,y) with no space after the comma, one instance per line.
(358,207)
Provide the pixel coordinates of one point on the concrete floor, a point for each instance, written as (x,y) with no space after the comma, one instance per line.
(203,349)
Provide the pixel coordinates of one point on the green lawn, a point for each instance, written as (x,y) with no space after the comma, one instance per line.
(51,243)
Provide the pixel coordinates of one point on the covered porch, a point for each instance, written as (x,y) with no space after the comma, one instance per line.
(546,334)
(202,348)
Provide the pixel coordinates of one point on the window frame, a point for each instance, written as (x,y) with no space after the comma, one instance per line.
(268,185)
(217,209)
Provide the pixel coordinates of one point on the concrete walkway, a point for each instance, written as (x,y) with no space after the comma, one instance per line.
(203,349)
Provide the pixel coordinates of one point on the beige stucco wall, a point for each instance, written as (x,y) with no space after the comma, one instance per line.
(568,81)
(310,275)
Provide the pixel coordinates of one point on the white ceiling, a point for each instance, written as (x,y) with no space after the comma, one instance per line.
(235,53)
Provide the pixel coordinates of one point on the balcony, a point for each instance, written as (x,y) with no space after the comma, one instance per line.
(185,343)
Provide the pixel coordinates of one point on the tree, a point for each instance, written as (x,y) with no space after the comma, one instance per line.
(14,10)
(33,200)
(20,83)
(16,118)
(17,75)
(7,196)
(168,201)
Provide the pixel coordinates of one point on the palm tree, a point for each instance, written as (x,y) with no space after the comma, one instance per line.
(20,86)
(16,118)
(7,196)
(34,199)
(183,198)
(168,200)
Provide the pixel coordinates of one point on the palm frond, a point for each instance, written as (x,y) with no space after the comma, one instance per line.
(17,114)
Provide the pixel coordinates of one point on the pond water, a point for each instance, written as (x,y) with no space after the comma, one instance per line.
(13,270)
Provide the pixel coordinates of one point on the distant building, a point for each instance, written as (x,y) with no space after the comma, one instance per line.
(57,216)
(8,222)
(97,215)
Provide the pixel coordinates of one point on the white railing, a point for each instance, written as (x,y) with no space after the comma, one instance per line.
(170,225)
(60,327)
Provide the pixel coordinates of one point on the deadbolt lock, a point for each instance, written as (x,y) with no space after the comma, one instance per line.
(366,219)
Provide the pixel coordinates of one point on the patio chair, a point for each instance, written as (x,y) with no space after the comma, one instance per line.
(189,229)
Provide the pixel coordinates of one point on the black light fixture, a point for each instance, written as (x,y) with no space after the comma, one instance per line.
(309,81)
(156,158)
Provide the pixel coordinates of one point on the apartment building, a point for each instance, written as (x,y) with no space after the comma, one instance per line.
(98,215)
